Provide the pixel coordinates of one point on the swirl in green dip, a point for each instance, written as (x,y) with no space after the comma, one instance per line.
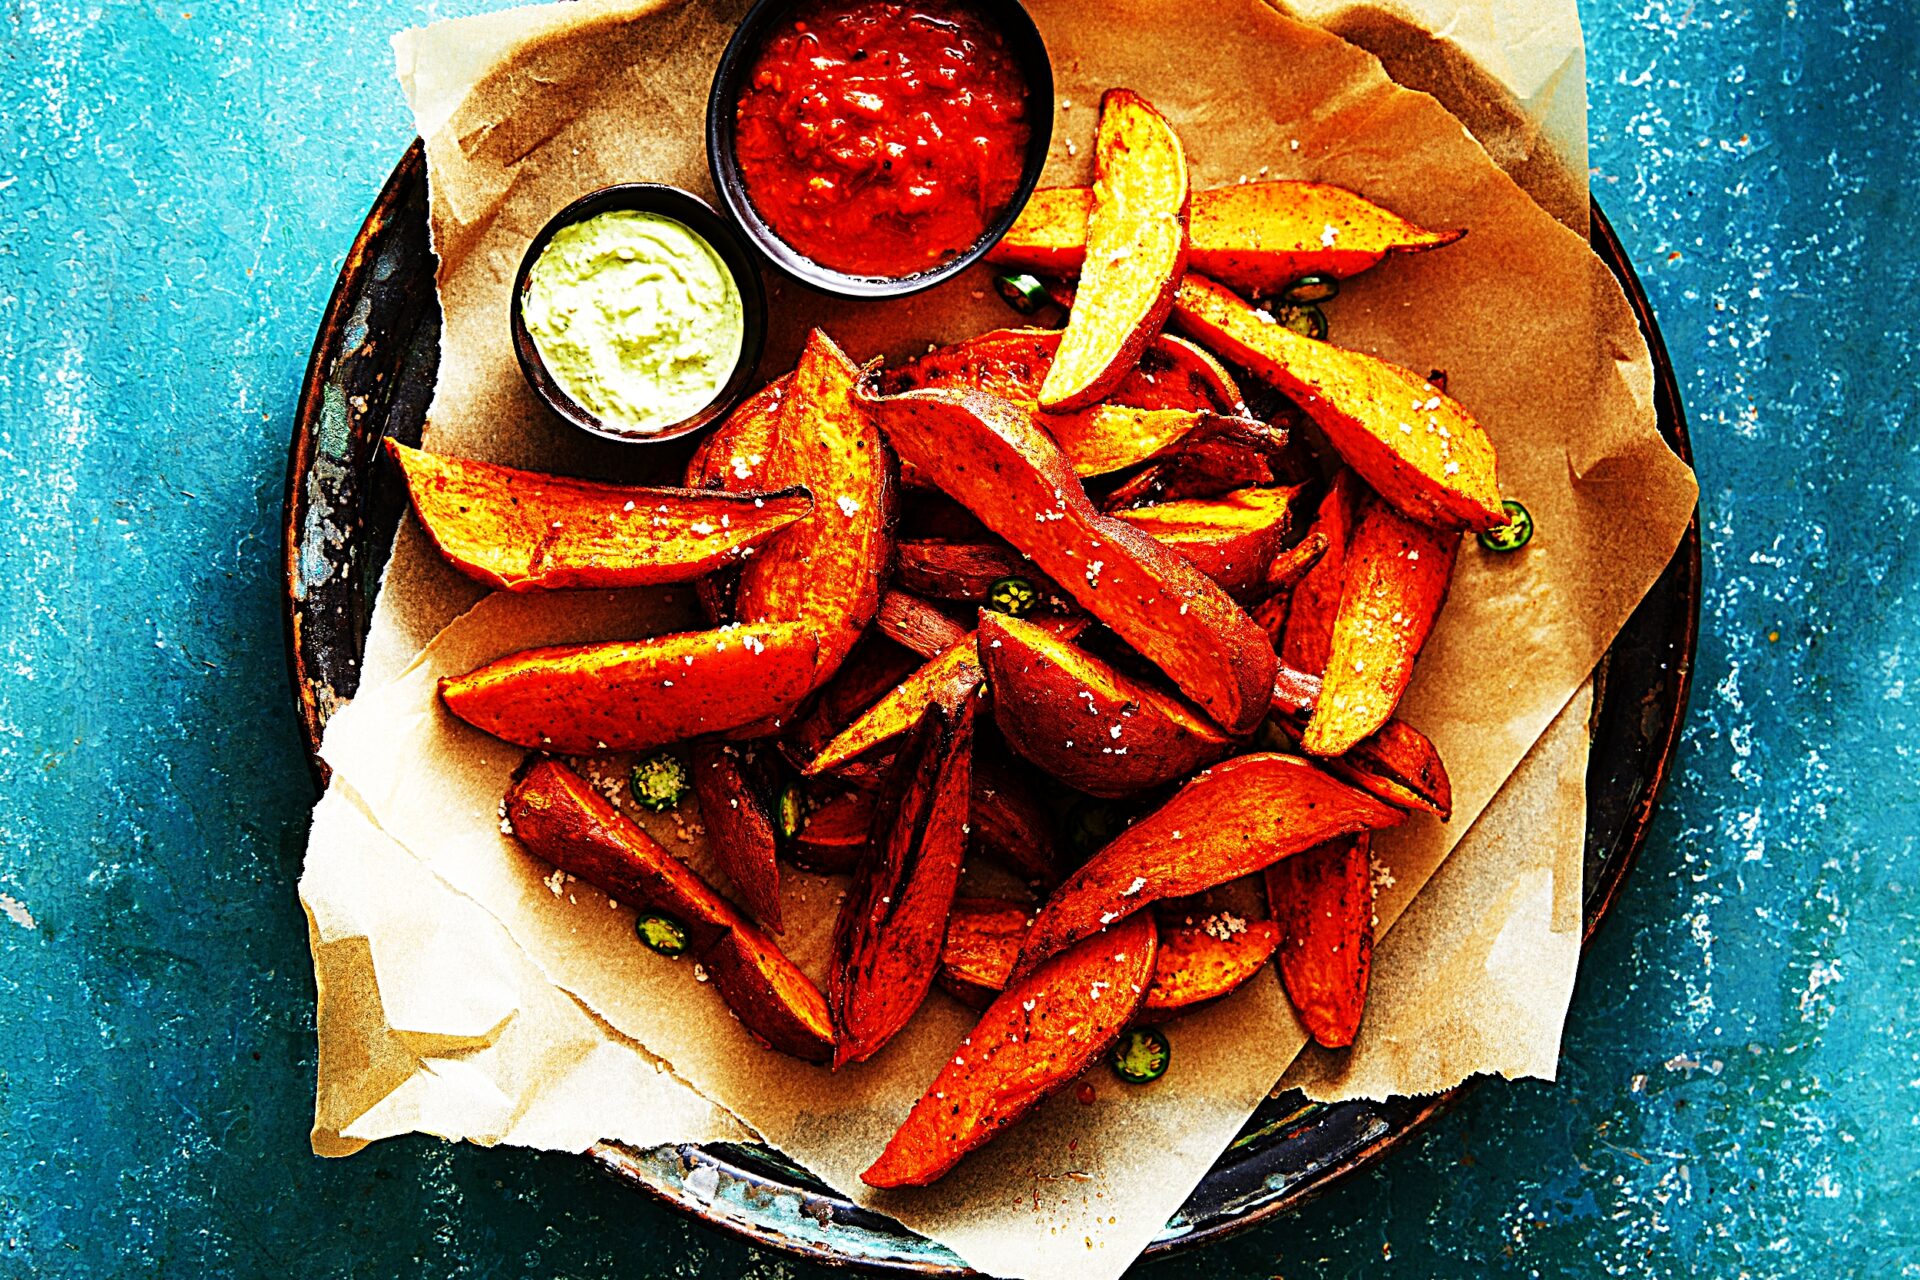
(636,317)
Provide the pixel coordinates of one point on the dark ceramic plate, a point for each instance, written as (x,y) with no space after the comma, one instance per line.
(371,375)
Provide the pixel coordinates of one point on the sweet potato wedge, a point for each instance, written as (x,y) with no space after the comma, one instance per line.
(1136,252)
(1234,819)
(562,820)
(1218,456)
(1164,396)
(829,570)
(957,570)
(739,825)
(1323,901)
(1308,633)
(1284,573)
(1256,236)
(1398,571)
(1196,964)
(1030,1043)
(523,531)
(914,624)
(733,458)
(1200,963)
(1232,538)
(836,834)
(887,939)
(1414,444)
(1009,823)
(989,454)
(1397,763)
(1084,721)
(875,666)
(945,681)
(632,695)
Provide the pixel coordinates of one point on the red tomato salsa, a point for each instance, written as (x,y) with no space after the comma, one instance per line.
(880,138)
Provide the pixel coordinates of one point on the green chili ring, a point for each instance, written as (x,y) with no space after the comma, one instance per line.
(1022,292)
(1015,597)
(1306,320)
(1142,1055)
(1308,289)
(660,782)
(790,812)
(1513,535)
(662,933)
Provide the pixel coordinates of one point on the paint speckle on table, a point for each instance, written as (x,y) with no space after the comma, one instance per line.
(1740,1084)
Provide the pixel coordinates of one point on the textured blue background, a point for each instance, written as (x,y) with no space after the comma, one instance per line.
(1741,1081)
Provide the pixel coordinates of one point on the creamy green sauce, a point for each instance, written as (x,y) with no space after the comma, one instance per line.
(636,317)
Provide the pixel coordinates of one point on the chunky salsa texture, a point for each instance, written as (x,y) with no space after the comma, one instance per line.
(882,139)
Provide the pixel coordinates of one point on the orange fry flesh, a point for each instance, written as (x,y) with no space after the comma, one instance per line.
(1234,819)
(1414,444)
(1397,575)
(633,695)
(1031,1042)
(1136,251)
(1232,538)
(1322,900)
(945,680)
(524,531)
(1256,236)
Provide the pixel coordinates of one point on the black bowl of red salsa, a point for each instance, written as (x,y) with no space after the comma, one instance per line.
(873,148)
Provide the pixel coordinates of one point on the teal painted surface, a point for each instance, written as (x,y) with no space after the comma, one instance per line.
(1741,1086)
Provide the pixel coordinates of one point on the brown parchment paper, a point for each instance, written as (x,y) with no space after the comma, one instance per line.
(1532,330)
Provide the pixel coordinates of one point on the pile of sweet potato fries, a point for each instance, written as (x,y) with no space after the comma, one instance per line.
(1072,547)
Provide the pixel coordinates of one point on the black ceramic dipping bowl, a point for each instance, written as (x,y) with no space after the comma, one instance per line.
(698,216)
(1029,52)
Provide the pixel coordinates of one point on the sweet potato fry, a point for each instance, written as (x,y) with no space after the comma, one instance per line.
(989,454)
(523,531)
(1009,823)
(1162,398)
(957,570)
(875,666)
(1397,763)
(1322,899)
(1200,963)
(739,825)
(631,695)
(1194,967)
(734,457)
(1232,820)
(1417,447)
(1232,538)
(1029,1044)
(829,570)
(1218,456)
(564,821)
(1397,575)
(1084,721)
(887,940)
(914,624)
(836,834)
(1136,252)
(983,940)
(1309,628)
(1256,236)
(1284,573)
(944,681)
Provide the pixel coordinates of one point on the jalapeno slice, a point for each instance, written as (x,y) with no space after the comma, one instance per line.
(1513,535)
(661,933)
(1142,1055)
(1022,292)
(1317,287)
(1306,320)
(1015,597)
(790,812)
(660,782)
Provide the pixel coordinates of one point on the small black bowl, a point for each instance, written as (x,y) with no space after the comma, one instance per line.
(1029,52)
(699,217)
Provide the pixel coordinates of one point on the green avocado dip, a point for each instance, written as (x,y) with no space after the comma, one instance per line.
(636,317)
